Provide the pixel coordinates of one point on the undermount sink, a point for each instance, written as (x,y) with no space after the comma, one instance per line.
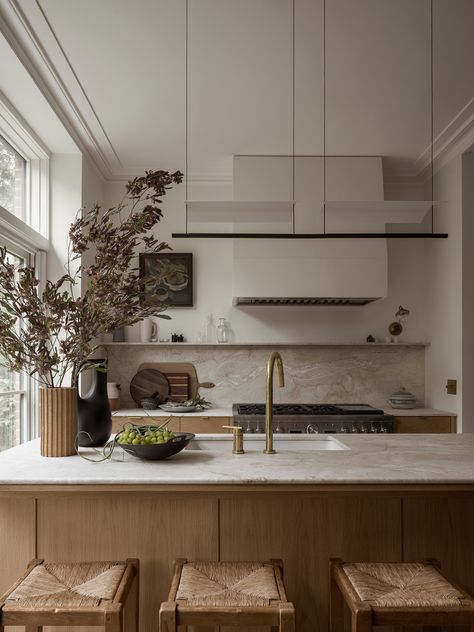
(256,443)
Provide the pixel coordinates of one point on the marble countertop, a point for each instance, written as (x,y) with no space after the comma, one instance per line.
(377,459)
(227,412)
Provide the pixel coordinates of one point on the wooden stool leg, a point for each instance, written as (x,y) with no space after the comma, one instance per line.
(32,628)
(336,607)
(362,621)
(114,620)
(287,617)
(167,617)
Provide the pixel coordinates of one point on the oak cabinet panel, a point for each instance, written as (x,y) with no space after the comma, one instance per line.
(424,424)
(205,424)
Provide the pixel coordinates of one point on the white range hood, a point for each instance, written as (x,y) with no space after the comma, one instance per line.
(304,272)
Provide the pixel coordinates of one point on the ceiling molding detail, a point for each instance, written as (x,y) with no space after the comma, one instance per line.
(30,36)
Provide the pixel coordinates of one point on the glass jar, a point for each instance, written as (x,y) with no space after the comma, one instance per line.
(222,331)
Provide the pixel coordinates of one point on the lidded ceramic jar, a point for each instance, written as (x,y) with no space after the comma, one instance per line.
(402,399)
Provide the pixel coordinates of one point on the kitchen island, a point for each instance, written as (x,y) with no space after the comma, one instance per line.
(386,498)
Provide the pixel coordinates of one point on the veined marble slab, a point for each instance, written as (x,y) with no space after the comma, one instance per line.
(377,459)
(312,374)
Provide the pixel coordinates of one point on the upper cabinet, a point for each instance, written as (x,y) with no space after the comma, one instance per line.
(314,116)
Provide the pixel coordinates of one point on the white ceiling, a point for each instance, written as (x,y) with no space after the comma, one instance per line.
(119,69)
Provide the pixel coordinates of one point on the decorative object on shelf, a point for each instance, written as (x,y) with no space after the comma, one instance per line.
(210,330)
(402,399)
(113,393)
(169,278)
(119,334)
(222,331)
(94,419)
(58,413)
(177,338)
(60,324)
(370,339)
(148,330)
(401,316)
(149,382)
(108,337)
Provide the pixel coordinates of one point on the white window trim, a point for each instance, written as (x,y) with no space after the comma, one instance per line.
(29,238)
(21,137)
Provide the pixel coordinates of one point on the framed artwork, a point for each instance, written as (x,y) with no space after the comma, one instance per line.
(169,278)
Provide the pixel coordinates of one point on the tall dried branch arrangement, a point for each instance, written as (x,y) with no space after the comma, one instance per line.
(49,334)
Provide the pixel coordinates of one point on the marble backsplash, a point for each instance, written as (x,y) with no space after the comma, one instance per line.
(312,374)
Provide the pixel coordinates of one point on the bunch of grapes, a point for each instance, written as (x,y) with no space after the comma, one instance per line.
(145,435)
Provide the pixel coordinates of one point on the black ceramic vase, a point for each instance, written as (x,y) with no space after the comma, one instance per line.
(94,419)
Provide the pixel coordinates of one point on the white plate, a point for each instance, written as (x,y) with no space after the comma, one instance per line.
(180,409)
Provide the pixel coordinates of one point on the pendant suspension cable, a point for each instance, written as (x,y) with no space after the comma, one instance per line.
(324,116)
(186,160)
(432,110)
(293,116)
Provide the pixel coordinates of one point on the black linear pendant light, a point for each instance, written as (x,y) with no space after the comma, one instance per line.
(234,206)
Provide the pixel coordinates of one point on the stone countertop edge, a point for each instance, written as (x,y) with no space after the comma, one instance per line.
(227,412)
(380,460)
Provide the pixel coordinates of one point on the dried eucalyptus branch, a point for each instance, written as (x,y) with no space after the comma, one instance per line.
(49,334)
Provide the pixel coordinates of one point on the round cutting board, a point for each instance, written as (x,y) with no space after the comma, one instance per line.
(146,383)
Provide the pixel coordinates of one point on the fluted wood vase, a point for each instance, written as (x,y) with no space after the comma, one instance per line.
(58,411)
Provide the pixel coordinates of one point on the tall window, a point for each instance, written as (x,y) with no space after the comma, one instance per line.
(18,393)
(14,391)
(12,180)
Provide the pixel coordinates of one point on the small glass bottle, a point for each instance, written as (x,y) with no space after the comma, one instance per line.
(222,331)
(210,329)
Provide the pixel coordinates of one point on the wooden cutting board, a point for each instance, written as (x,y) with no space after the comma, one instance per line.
(179,386)
(146,382)
(175,368)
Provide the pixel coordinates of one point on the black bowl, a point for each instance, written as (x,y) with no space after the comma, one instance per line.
(159,451)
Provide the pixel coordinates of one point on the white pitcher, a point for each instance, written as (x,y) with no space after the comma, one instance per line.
(148,330)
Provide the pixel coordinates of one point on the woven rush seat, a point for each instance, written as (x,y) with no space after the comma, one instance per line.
(227,593)
(71,593)
(227,584)
(402,585)
(396,593)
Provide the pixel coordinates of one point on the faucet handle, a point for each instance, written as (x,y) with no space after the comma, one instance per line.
(238,443)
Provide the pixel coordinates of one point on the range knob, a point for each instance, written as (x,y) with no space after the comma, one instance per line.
(344,430)
(355,429)
(312,429)
(383,429)
(373,428)
(364,429)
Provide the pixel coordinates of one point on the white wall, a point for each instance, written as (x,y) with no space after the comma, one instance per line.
(444,296)
(468,292)
(213,292)
(66,200)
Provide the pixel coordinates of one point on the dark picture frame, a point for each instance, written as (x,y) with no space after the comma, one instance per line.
(169,278)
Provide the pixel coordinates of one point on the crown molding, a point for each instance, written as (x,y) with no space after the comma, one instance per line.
(32,39)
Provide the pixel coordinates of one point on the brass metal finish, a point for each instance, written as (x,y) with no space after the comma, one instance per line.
(238,442)
(275,357)
(452,387)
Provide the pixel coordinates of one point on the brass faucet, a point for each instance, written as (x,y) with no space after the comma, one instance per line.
(274,357)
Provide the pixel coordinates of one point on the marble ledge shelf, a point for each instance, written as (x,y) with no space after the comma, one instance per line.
(411,345)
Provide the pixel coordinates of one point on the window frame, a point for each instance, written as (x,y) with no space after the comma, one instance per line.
(27,239)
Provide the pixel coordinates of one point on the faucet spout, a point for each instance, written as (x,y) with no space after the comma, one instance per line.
(275,358)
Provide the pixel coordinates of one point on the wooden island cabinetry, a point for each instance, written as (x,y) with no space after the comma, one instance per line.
(384,498)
